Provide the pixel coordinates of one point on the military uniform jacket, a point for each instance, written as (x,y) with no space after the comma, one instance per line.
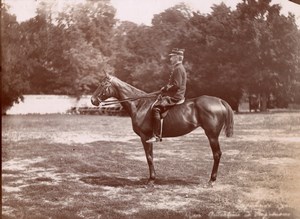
(177,83)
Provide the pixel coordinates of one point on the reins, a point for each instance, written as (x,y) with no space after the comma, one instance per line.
(112,102)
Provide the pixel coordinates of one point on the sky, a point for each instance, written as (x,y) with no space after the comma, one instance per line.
(142,11)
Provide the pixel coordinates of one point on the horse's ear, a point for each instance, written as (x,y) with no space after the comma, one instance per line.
(106,74)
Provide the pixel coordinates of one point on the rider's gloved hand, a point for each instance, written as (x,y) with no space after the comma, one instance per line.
(164,89)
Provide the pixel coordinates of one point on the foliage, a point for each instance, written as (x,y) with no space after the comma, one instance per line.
(271,47)
(217,65)
(252,49)
(69,51)
(15,65)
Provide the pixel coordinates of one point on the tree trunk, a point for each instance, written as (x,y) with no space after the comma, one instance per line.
(263,102)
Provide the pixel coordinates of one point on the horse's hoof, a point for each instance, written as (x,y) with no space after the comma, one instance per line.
(209,185)
(150,183)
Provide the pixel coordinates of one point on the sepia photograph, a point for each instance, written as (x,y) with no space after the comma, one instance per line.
(150,109)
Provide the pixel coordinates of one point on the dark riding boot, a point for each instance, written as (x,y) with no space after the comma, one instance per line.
(156,126)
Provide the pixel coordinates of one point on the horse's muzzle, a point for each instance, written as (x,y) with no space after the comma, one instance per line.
(95,101)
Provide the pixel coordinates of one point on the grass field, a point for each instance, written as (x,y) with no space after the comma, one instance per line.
(72,166)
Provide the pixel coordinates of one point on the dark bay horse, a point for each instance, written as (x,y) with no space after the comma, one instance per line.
(210,113)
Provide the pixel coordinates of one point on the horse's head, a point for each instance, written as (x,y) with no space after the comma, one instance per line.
(104,91)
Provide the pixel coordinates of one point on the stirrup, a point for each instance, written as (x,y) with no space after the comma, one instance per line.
(154,139)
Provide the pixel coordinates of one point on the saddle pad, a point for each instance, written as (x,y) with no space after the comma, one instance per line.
(164,114)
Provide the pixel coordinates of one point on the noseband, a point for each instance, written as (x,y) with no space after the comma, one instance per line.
(104,87)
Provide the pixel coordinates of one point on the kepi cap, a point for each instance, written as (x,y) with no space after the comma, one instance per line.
(178,52)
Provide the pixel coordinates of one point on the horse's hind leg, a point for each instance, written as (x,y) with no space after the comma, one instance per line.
(215,147)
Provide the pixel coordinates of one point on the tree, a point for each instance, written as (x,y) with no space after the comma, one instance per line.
(141,51)
(271,47)
(15,64)
(45,52)
(87,33)
(70,49)
(253,48)
(227,52)
(213,55)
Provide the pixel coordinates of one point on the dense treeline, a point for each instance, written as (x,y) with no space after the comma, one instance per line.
(253,49)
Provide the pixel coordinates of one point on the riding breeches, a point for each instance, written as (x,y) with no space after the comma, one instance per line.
(156,116)
(162,104)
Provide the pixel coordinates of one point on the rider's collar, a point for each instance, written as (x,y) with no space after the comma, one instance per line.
(177,63)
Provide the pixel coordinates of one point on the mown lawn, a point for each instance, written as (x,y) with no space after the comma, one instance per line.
(72,166)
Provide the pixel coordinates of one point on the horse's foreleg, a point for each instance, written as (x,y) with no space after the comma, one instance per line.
(148,147)
(215,147)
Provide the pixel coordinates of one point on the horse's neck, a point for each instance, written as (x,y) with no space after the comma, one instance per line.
(125,91)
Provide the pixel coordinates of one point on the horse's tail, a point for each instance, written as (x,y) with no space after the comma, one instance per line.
(228,126)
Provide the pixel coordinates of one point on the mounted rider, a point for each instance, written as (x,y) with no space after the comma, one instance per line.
(171,94)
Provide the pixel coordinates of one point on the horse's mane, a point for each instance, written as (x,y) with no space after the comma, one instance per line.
(124,85)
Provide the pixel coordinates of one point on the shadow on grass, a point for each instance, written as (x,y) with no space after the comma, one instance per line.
(122,182)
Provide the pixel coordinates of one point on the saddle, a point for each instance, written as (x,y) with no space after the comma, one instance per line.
(166,110)
(165,113)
